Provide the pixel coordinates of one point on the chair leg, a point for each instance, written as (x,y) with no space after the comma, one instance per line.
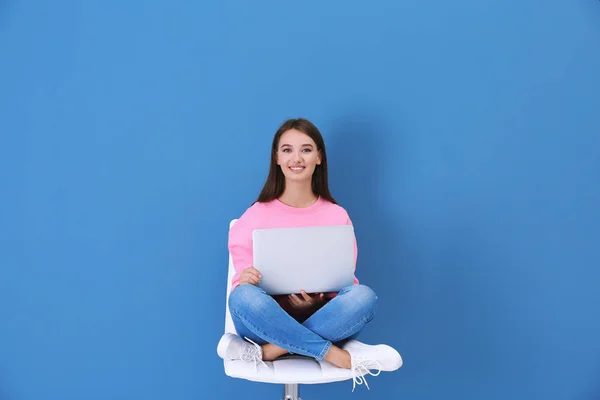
(290,392)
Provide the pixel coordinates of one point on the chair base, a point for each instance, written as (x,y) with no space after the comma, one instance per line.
(291,392)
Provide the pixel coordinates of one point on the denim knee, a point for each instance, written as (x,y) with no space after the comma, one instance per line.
(246,299)
(364,296)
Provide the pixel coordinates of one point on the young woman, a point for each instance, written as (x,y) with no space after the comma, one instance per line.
(318,325)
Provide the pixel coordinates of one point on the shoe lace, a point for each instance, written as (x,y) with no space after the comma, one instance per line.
(253,354)
(362,366)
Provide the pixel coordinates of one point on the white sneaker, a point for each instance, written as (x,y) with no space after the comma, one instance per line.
(232,347)
(366,357)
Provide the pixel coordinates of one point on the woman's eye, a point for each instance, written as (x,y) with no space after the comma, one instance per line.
(307,150)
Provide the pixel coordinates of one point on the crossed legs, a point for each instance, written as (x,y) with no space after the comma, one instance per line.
(258,317)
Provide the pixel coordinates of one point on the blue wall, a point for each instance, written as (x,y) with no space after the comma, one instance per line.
(464,141)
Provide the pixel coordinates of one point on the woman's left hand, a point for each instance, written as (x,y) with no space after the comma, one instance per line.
(306,301)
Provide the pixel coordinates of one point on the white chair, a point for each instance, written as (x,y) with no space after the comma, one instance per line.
(289,370)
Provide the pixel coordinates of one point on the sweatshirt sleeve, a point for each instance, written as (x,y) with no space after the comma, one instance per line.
(240,247)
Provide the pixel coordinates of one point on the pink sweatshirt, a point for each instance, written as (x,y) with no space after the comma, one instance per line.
(276,214)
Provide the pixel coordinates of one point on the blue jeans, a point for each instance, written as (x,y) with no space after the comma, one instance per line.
(257,316)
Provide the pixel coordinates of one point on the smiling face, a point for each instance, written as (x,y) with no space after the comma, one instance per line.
(297,155)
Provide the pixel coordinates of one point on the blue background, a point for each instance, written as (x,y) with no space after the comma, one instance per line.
(463,138)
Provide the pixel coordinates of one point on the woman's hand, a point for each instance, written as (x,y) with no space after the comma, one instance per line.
(251,276)
(306,301)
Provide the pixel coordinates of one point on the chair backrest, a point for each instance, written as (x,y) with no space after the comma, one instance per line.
(229,327)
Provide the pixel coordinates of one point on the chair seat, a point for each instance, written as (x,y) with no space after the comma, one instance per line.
(289,369)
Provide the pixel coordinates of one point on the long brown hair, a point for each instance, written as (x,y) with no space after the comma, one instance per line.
(275,184)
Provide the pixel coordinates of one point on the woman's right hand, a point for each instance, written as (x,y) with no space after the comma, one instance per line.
(250,275)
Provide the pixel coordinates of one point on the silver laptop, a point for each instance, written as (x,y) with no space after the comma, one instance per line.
(314,259)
